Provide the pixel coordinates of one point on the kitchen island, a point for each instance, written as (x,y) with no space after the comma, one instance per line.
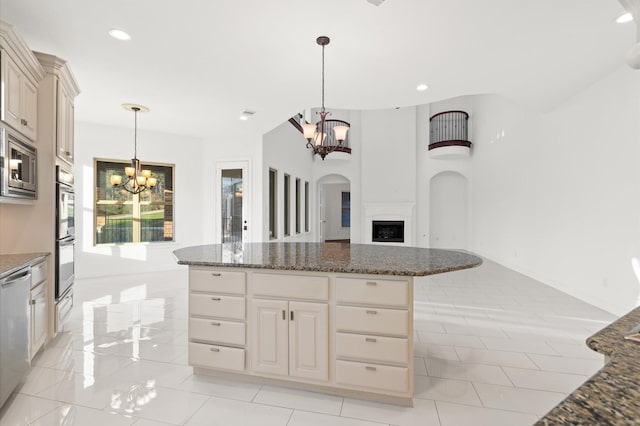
(329,317)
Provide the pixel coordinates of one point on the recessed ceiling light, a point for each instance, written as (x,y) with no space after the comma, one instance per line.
(119,34)
(421,87)
(622,19)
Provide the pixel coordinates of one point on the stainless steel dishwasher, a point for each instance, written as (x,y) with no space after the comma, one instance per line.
(14,330)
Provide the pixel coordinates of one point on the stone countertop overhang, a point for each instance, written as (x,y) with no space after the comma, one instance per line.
(612,395)
(330,257)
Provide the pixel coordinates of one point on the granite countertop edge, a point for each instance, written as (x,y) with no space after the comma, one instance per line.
(10,263)
(338,270)
(361,259)
(612,395)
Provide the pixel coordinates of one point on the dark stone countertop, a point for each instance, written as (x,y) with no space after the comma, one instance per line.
(330,257)
(612,395)
(10,263)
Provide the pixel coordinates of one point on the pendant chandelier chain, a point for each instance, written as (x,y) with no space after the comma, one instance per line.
(323,78)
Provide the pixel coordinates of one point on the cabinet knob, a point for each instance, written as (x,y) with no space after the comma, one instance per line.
(214,350)
(216,299)
(216,324)
(67,152)
(370,339)
(216,274)
(23,122)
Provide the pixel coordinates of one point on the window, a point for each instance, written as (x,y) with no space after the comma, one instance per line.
(287,205)
(273,204)
(121,217)
(306,207)
(297,206)
(346,209)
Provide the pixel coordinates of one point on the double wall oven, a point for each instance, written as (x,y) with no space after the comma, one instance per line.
(65,242)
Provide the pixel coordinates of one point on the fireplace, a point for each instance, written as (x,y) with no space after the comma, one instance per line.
(387,231)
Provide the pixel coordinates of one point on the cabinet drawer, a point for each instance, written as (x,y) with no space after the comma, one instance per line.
(394,322)
(372,348)
(217,281)
(213,330)
(372,291)
(212,305)
(212,356)
(38,273)
(379,377)
(291,286)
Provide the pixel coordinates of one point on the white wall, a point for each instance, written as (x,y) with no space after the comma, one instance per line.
(285,151)
(428,167)
(97,141)
(557,196)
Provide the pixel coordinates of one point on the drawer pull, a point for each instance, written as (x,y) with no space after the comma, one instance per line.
(284,315)
(370,312)
(216,274)
(368,367)
(372,283)
(214,350)
(216,324)
(217,299)
(370,339)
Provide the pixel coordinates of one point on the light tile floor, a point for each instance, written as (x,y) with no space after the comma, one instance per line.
(493,347)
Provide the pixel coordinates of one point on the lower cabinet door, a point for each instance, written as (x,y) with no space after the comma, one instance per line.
(212,356)
(309,340)
(372,376)
(269,336)
(39,318)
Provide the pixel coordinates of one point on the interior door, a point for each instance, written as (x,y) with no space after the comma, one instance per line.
(232,203)
(321,214)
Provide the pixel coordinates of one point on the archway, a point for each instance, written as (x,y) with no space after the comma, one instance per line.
(448,211)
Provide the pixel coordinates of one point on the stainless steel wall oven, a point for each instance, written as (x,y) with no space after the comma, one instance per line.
(65,244)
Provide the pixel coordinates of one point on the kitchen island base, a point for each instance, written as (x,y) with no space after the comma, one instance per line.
(336,333)
(326,317)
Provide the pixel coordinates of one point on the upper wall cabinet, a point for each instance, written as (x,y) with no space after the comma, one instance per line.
(58,91)
(20,74)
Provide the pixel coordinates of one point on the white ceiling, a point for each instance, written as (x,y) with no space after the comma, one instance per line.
(199,63)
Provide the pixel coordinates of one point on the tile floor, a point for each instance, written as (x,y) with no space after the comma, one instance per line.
(493,347)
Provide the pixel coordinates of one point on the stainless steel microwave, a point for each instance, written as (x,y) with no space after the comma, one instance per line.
(18,165)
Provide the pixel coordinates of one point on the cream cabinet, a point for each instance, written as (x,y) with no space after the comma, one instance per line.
(340,333)
(19,97)
(39,306)
(65,124)
(290,338)
(374,326)
(57,94)
(217,326)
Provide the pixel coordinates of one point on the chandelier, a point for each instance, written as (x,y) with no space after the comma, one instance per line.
(137,180)
(315,134)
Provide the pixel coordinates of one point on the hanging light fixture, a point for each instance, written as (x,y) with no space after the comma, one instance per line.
(315,134)
(137,180)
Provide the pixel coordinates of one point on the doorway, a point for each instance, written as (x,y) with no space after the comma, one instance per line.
(334,209)
(232,203)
